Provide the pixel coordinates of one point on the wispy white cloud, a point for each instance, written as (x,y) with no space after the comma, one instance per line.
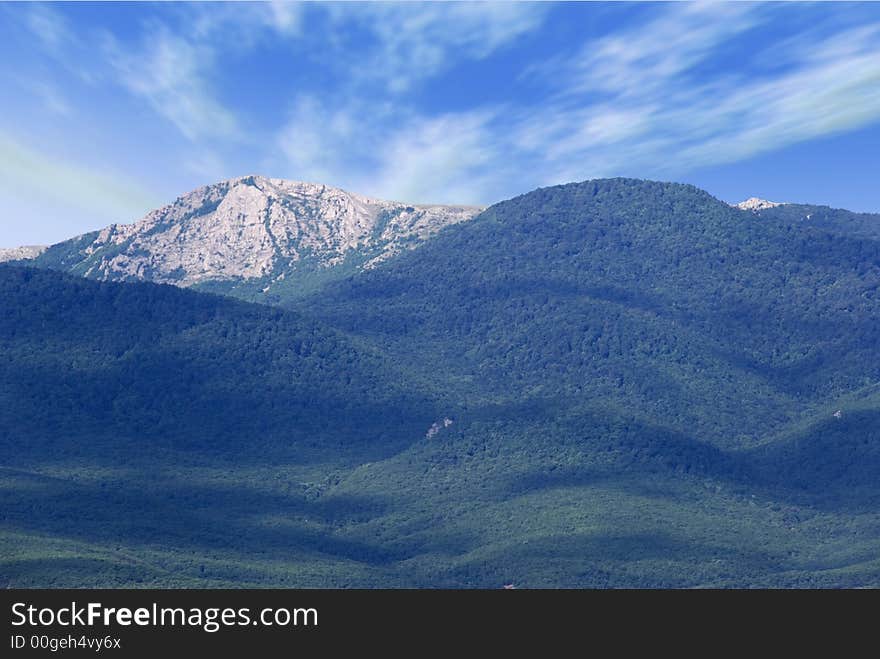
(171,74)
(167,67)
(657,96)
(324,144)
(374,141)
(172,63)
(654,115)
(385,150)
(57,39)
(448,158)
(236,25)
(284,16)
(47,94)
(643,60)
(649,100)
(835,90)
(415,41)
(49,27)
(174,67)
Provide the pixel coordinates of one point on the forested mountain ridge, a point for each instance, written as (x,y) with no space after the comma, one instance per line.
(100,362)
(651,296)
(833,220)
(605,384)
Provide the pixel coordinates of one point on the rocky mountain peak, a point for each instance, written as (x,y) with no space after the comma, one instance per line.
(254,227)
(757,204)
(21,253)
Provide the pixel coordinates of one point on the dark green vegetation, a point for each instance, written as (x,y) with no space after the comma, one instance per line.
(644,382)
(137,418)
(832,220)
(144,367)
(652,298)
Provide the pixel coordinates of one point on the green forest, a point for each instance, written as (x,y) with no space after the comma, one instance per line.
(644,387)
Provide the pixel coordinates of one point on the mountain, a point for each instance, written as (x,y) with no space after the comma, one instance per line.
(653,298)
(836,221)
(150,434)
(253,237)
(623,350)
(153,367)
(614,383)
(21,253)
(757,204)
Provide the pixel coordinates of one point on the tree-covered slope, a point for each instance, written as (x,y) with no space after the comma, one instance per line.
(832,220)
(101,369)
(646,388)
(153,435)
(652,298)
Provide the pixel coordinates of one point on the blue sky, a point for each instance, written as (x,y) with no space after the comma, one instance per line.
(109,110)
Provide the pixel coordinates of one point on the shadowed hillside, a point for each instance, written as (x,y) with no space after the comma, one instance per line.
(101,369)
(630,384)
(655,298)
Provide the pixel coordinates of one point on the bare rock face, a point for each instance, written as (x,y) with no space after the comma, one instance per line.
(255,227)
(755,204)
(21,253)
